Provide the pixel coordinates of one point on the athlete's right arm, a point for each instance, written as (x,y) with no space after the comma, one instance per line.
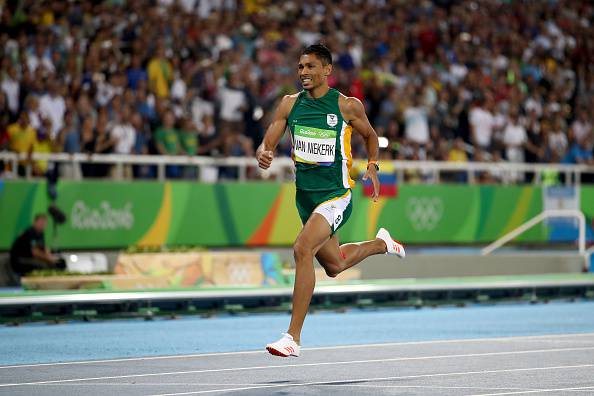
(274,133)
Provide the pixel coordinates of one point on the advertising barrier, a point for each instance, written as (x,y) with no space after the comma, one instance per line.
(115,215)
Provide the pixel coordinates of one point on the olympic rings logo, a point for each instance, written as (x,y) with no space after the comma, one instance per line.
(240,273)
(424,213)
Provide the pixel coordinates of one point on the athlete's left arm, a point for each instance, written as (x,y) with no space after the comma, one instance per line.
(354,112)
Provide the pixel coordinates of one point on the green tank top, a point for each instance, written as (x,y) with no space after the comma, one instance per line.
(321,143)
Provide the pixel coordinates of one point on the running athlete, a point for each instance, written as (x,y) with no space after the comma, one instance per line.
(321,121)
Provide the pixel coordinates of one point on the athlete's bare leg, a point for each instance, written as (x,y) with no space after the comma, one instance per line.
(316,239)
(336,258)
(315,233)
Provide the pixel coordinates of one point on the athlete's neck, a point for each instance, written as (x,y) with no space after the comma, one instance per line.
(318,92)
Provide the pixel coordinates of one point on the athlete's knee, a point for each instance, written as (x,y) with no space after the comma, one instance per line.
(332,270)
(301,250)
(330,267)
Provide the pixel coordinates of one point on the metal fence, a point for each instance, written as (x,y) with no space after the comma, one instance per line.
(282,169)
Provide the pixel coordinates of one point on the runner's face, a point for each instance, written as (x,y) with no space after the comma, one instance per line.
(312,72)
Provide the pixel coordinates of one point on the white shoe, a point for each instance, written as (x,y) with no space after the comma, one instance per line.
(392,247)
(284,347)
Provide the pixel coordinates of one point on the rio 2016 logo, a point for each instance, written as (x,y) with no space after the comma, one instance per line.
(424,213)
(103,217)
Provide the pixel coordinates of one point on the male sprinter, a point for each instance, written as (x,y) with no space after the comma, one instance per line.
(321,120)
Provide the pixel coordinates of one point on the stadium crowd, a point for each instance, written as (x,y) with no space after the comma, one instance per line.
(441,80)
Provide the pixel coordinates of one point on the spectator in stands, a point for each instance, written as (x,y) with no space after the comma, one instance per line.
(145,104)
(21,139)
(188,138)
(4,122)
(557,138)
(124,136)
(482,123)
(143,143)
(167,142)
(142,146)
(107,89)
(581,127)
(534,147)
(103,143)
(32,108)
(580,152)
(136,72)
(84,109)
(488,177)
(160,73)
(202,111)
(458,152)
(87,145)
(11,88)
(43,144)
(69,137)
(387,109)
(443,117)
(203,114)
(40,58)
(416,122)
(536,58)
(514,138)
(233,104)
(123,132)
(236,145)
(52,106)
(29,251)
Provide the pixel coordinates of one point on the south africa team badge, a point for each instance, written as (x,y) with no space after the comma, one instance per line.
(331,119)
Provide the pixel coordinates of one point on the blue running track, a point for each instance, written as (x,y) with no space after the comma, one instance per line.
(75,341)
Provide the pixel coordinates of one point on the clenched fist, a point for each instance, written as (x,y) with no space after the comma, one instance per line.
(264,158)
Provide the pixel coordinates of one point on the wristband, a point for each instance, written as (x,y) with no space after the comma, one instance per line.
(374,163)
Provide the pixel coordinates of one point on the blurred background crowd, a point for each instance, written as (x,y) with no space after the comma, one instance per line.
(441,80)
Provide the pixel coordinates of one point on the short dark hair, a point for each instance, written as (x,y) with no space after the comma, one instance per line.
(321,51)
(40,216)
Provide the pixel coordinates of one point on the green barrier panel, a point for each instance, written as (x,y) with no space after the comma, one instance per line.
(449,214)
(107,214)
(587,202)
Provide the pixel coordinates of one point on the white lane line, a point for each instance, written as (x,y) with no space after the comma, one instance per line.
(511,388)
(329,383)
(579,388)
(400,359)
(547,337)
(162,384)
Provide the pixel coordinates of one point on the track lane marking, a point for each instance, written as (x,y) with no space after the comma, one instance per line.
(577,388)
(337,347)
(330,383)
(402,359)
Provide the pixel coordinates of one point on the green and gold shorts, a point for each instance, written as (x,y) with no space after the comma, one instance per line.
(336,206)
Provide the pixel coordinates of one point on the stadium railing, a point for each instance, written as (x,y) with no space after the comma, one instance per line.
(282,167)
